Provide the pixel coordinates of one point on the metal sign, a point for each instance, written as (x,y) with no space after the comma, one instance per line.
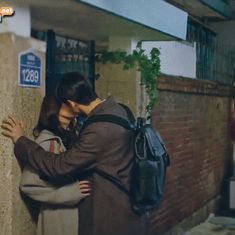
(29,69)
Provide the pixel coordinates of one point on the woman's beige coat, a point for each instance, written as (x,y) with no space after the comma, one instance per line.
(59,211)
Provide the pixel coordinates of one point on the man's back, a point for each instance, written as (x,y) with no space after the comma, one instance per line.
(107,211)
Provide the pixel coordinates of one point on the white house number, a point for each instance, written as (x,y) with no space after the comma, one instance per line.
(30,75)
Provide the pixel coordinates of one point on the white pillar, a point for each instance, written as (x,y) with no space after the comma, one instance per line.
(127,44)
(19,23)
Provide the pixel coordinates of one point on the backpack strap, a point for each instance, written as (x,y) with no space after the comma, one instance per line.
(112,119)
(113,180)
(121,122)
(108,118)
(129,125)
(130,115)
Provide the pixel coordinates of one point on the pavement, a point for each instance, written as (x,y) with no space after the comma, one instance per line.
(214,225)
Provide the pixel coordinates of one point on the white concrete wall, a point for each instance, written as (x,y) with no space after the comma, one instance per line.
(19,23)
(177,58)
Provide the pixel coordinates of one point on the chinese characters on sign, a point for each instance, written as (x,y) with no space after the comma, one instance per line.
(6,11)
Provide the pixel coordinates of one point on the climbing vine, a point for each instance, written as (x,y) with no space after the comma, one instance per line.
(148,65)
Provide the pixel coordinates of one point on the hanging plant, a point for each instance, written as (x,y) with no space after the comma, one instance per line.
(148,65)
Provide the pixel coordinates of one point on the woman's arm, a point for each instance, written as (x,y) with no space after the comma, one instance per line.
(43,191)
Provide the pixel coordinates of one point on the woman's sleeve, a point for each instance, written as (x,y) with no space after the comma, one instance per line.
(43,191)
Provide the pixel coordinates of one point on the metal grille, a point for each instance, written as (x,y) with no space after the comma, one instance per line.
(66,55)
(72,55)
(214,61)
(224,64)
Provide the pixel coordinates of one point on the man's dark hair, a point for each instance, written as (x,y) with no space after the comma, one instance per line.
(75,87)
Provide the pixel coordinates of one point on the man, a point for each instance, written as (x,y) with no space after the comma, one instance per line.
(101,146)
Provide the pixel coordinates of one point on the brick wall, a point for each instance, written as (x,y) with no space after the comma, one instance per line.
(192,117)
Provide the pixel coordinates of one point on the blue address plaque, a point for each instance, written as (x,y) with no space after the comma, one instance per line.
(29,69)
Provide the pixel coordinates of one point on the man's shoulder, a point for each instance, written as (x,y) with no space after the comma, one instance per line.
(111,107)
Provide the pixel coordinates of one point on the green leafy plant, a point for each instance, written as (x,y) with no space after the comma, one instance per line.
(148,65)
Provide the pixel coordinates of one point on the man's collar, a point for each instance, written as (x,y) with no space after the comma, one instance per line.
(109,102)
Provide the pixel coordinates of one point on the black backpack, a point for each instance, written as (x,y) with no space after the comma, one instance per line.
(149,163)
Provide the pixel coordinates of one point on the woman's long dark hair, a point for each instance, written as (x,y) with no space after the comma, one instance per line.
(48,119)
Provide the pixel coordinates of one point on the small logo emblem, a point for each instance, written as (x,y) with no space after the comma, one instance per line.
(6,11)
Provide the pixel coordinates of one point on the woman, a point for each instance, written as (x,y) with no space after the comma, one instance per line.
(55,131)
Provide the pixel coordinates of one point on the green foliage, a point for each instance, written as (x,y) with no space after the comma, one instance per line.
(149,66)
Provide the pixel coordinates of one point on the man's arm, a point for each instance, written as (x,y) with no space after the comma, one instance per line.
(82,157)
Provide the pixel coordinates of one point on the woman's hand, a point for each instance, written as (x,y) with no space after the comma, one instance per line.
(12,128)
(85,187)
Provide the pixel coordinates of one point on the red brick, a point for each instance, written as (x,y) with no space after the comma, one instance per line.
(192,117)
